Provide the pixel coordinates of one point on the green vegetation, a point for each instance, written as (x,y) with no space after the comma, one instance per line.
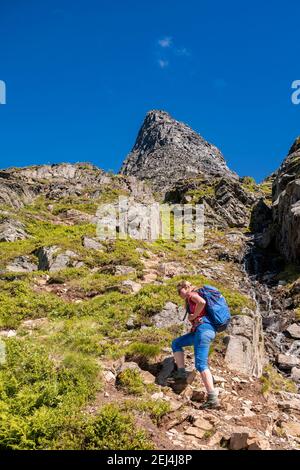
(274,382)
(156,408)
(142,352)
(131,382)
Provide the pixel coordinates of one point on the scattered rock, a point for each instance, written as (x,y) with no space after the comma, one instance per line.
(78,217)
(128,365)
(92,243)
(8,333)
(294,331)
(109,376)
(11,230)
(203,424)
(130,324)
(287,362)
(33,324)
(130,287)
(258,443)
(21,264)
(295,374)
(196,432)
(51,259)
(171,269)
(120,270)
(291,428)
(238,441)
(290,404)
(147,377)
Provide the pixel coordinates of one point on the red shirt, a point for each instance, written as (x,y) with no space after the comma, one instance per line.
(192,306)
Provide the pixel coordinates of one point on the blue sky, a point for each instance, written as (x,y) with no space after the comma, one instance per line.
(80,77)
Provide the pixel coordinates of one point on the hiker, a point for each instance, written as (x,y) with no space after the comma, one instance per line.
(202,333)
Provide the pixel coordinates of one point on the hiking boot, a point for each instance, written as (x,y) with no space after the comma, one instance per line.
(211,402)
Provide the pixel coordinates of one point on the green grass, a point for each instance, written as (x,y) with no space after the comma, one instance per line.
(273,382)
(39,399)
(156,409)
(142,352)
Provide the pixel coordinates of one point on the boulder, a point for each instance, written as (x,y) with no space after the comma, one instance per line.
(258,443)
(109,376)
(33,324)
(294,331)
(169,316)
(52,259)
(21,264)
(130,287)
(147,377)
(130,324)
(91,243)
(11,230)
(78,217)
(120,270)
(287,362)
(203,424)
(171,269)
(8,333)
(295,374)
(127,365)
(245,345)
(166,370)
(239,440)
(290,402)
(196,432)
(291,428)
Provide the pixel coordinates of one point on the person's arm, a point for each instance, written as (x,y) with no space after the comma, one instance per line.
(200,304)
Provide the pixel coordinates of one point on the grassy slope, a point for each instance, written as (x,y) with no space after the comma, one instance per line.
(53,371)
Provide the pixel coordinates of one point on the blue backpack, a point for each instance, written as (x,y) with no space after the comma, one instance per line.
(217,309)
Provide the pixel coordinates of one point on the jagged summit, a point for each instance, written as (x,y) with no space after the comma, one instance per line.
(167,150)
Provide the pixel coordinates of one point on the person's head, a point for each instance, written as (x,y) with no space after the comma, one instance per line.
(183,288)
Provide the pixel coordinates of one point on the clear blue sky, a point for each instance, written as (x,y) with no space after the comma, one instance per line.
(81,75)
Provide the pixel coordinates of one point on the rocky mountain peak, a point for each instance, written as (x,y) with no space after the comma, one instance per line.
(167,150)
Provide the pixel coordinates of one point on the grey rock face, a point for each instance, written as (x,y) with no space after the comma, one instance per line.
(11,230)
(120,270)
(166,151)
(226,202)
(51,259)
(169,316)
(130,287)
(245,349)
(286,205)
(21,264)
(91,243)
(19,186)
